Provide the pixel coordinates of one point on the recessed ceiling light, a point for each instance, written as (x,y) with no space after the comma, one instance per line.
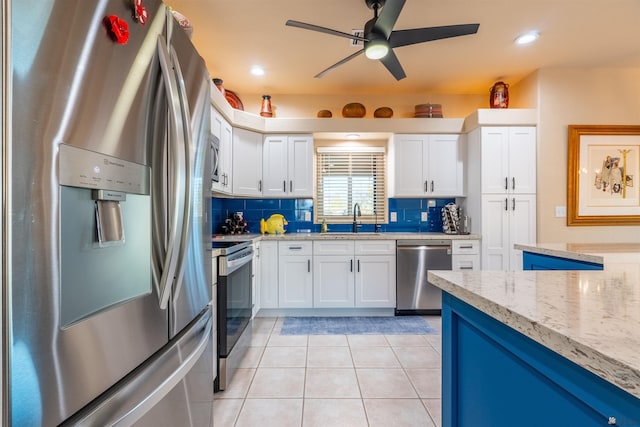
(257,70)
(527,38)
(353,136)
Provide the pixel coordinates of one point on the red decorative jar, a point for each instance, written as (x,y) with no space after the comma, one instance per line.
(266,110)
(218,83)
(499,97)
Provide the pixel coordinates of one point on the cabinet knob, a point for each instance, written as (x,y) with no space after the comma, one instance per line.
(506,182)
(432,186)
(513,183)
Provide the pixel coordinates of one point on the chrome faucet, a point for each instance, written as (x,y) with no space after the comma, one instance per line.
(356,211)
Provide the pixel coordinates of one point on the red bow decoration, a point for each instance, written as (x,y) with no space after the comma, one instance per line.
(118,29)
(140,12)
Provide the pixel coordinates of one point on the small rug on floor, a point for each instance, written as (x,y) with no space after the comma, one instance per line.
(355,325)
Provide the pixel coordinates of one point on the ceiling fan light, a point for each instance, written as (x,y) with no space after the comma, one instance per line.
(376,49)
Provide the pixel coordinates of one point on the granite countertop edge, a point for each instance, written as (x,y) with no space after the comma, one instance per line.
(600,359)
(346,236)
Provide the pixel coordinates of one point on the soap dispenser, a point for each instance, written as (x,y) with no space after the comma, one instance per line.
(323,227)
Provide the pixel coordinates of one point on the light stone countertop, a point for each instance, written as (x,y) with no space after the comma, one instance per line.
(346,236)
(590,317)
(598,253)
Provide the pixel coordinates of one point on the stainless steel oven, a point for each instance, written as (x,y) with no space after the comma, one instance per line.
(214,145)
(234,307)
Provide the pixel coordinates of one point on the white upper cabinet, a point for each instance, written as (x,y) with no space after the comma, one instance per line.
(222,130)
(247,163)
(428,165)
(288,166)
(509,160)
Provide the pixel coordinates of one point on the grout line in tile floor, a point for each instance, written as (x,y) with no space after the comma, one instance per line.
(410,399)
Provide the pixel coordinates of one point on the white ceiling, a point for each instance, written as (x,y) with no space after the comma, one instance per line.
(233,35)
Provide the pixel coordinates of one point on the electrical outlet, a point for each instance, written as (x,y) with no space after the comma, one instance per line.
(561,211)
(424,217)
(394,217)
(307,216)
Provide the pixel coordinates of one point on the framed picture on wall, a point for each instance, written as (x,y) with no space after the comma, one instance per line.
(603,186)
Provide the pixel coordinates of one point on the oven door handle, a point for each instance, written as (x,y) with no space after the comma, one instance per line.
(235,264)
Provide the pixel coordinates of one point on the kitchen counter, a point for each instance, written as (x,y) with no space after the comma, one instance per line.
(347,236)
(589,318)
(597,253)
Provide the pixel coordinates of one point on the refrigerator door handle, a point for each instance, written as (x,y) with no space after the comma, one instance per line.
(176,164)
(187,171)
(142,389)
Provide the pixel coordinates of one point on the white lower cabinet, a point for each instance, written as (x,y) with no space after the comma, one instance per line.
(333,279)
(349,273)
(376,280)
(295,279)
(465,255)
(268,274)
(255,279)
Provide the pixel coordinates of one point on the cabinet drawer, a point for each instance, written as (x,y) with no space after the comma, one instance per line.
(460,247)
(375,247)
(304,247)
(333,247)
(465,262)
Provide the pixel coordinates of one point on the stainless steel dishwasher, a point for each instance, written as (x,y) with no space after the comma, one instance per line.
(414,295)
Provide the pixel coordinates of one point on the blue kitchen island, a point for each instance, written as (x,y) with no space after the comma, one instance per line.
(541,348)
(577,256)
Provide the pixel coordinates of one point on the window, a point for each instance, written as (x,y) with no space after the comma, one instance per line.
(346,176)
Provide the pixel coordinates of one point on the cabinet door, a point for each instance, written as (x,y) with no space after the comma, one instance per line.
(495,160)
(247,163)
(522,226)
(268,274)
(255,279)
(274,166)
(222,130)
(495,232)
(300,166)
(295,282)
(226,156)
(376,281)
(333,281)
(443,166)
(522,160)
(408,164)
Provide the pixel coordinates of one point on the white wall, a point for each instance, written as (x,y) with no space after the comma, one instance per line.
(307,106)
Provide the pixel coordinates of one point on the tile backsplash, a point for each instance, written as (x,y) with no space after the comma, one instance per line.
(299,214)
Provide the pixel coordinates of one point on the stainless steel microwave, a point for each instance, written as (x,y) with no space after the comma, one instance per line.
(214,143)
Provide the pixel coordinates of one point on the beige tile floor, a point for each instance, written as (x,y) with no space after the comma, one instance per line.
(334,380)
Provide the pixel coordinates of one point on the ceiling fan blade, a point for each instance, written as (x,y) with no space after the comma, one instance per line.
(388,17)
(393,65)
(420,35)
(339,63)
(312,27)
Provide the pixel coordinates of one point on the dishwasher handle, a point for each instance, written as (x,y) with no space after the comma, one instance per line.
(422,242)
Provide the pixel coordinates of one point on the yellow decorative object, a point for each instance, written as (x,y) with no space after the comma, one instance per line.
(274,225)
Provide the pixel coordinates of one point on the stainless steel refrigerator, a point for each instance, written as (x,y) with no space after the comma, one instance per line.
(107,314)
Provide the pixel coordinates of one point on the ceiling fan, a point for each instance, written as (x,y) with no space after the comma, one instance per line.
(380,39)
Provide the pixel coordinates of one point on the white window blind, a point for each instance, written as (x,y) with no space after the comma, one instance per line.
(349,176)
